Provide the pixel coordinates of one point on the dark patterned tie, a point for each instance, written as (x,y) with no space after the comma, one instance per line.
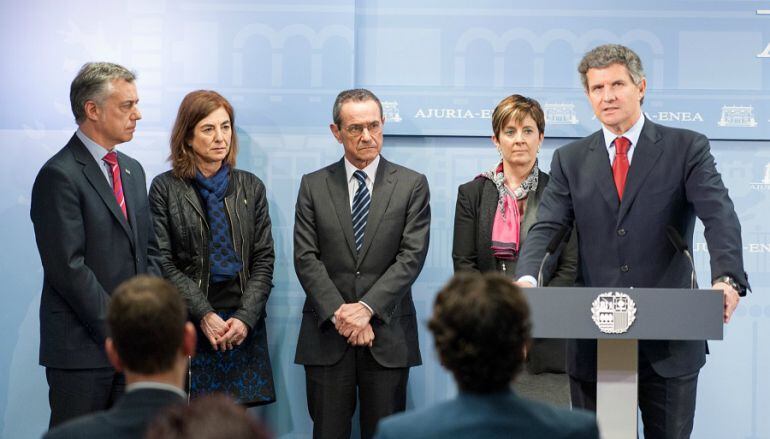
(117,184)
(620,164)
(361,202)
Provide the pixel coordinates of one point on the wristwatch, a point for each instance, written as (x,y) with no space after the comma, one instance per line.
(730,281)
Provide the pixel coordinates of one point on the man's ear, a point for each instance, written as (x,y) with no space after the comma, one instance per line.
(189,340)
(112,355)
(336,132)
(92,110)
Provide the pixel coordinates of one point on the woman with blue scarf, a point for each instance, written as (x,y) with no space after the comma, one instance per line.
(216,246)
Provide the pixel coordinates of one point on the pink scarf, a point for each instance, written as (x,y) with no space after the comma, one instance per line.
(506,228)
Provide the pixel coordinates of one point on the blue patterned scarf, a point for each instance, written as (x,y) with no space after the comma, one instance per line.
(224,262)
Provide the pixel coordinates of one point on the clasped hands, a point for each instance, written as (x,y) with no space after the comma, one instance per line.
(223,335)
(352,322)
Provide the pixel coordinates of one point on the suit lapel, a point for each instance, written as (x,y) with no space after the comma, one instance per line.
(530,211)
(487,211)
(646,154)
(95,176)
(337,185)
(384,184)
(598,166)
(130,194)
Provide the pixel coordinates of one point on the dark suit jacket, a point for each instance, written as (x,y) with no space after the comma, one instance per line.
(87,248)
(672,178)
(474,218)
(331,273)
(128,419)
(499,415)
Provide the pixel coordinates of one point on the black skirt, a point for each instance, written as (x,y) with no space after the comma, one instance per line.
(244,373)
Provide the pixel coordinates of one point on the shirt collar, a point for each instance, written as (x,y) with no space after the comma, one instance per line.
(632,134)
(155,385)
(370,170)
(96,150)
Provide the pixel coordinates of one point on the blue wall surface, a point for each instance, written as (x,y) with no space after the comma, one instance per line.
(440,67)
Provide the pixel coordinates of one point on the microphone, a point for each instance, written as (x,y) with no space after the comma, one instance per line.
(553,245)
(681,247)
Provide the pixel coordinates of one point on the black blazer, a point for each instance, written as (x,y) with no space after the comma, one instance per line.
(87,247)
(672,178)
(474,218)
(128,419)
(331,273)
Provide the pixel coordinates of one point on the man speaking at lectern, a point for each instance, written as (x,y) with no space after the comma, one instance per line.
(623,186)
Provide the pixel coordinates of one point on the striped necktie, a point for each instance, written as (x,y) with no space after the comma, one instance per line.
(361,201)
(117,184)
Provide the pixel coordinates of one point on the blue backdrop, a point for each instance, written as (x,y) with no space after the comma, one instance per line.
(440,67)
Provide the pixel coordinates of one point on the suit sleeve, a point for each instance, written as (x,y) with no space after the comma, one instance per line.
(567,264)
(554,211)
(323,295)
(464,252)
(260,280)
(190,290)
(709,197)
(390,288)
(58,221)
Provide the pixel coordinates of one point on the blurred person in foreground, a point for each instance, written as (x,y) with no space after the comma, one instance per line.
(494,212)
(481,328)
(214,416)
(150,341)
(216,246)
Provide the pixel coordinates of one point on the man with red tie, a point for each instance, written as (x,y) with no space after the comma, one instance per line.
(622,187)
(93,231)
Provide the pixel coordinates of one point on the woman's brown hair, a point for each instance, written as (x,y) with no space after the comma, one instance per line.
(194,108)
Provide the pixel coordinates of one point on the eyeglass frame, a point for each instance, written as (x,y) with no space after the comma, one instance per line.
(357,130)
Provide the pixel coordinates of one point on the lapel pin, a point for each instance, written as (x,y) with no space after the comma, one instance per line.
(128,171)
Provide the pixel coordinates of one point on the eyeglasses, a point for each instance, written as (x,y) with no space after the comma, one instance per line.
(356,130)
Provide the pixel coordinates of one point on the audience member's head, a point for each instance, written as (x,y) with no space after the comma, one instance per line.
(482,330)
(210,417)
(149,332)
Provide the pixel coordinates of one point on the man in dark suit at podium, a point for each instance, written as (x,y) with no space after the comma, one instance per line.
(481,329)
(623,186)
(150,341)
(93,231)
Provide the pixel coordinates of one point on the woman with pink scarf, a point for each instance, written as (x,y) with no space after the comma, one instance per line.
(494,212)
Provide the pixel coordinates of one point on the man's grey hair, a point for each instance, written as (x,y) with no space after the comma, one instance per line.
(92,83)
(355,95)
(604,56)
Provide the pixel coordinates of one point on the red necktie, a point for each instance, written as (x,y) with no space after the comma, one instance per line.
(117,184)
(620,165)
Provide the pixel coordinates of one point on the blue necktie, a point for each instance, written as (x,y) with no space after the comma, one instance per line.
(361,202)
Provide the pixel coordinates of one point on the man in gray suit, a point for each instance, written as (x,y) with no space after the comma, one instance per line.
(360,240)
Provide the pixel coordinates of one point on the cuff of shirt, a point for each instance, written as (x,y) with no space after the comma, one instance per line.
(371,311)
(529,279)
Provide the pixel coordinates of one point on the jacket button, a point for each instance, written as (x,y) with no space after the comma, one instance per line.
(624,268)
(621,232)
(358,274)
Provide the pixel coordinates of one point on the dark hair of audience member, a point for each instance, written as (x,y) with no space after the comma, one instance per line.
(481,328)
(213,416)
(146,319)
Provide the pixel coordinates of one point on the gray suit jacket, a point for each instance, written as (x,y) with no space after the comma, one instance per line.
(87,247)
(128,419)
(331,273)
(672,178)
(501,415)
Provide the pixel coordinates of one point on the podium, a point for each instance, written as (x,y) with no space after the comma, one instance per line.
(660,314)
